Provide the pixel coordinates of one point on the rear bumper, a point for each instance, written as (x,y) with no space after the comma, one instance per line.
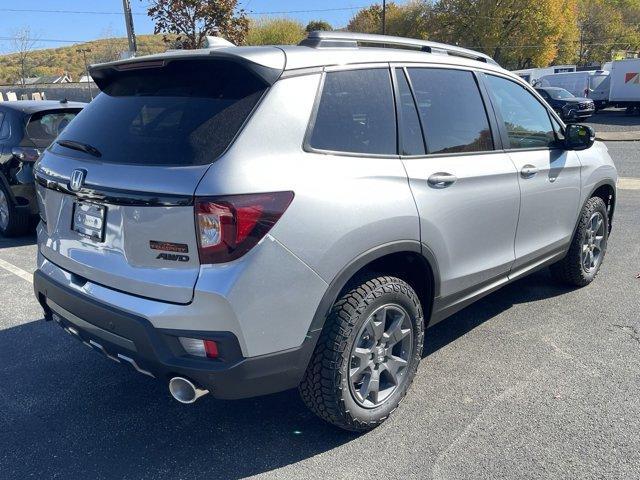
(156,352)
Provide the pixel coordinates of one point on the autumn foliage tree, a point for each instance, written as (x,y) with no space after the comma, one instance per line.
(190,21)
(405,20)
(315,25)
(275,31)
(516,33)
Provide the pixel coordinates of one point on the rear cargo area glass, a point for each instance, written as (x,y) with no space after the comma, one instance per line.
(44,127)
(184,112)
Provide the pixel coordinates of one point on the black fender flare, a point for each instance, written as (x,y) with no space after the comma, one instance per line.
(342,278)
(608,182)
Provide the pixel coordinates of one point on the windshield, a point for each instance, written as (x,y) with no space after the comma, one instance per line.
(559,93)
(44,127)
(184,113)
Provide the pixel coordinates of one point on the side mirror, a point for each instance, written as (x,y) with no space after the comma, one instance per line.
(579,137)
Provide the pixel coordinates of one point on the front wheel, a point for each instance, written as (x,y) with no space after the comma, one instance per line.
(366,356)
(589,244)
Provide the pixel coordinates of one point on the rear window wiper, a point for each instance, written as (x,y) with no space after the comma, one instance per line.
(82,147)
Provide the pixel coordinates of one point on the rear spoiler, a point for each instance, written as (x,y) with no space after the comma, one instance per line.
(105,72)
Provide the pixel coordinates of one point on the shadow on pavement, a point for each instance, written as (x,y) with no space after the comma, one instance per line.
(537,286)
(67,412)
(616,117)
(23,241)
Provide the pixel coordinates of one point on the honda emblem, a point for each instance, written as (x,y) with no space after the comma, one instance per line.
(77,179)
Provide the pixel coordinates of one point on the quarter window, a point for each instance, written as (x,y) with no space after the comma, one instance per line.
(356,113)
(527,122)
(453,115)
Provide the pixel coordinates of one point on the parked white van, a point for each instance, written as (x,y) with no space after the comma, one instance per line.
(593,84)
(531,75)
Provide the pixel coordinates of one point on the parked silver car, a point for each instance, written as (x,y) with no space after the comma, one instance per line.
(245,220)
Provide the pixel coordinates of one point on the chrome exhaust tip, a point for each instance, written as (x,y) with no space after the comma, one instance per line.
(185,391)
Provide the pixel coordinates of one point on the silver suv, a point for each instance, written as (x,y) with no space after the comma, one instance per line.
(245,220)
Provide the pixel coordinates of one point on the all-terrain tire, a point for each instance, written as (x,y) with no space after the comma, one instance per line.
(325,388)
(571,269)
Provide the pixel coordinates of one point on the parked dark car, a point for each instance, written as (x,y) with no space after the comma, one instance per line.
(26,129)
(567,106)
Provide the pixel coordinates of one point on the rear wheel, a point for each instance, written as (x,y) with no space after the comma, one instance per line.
(13,221)
(367,355)
(589,244)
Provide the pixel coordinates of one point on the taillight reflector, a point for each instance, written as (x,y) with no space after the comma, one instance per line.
(211,347)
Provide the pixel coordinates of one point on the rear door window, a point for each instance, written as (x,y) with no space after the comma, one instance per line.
(356,113)
(453,115)
(183,113)
(44,127)
(526,120)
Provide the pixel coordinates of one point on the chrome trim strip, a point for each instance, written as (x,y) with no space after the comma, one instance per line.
(102,349)
(135,365)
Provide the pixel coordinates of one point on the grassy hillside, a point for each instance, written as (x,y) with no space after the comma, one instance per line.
(55,61)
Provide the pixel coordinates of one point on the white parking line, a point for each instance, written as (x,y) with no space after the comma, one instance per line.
(629,183)
(16,271)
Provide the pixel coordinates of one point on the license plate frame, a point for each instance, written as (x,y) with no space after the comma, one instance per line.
(88,220)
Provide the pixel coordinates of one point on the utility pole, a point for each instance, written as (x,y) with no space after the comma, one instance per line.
(84,52)
(128,20)
(384,17)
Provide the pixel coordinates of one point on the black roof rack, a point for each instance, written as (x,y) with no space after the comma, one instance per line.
(333,39)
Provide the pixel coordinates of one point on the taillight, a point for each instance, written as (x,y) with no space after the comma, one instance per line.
(230,226)
(26,154)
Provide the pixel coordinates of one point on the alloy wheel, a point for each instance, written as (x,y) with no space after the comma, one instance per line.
(593,243)
(380,355)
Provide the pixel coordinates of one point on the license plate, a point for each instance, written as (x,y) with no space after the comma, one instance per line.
(88,220)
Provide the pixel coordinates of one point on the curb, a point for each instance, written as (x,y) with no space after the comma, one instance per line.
(618,136)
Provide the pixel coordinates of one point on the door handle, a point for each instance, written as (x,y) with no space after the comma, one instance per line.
(528,171)
(441,180)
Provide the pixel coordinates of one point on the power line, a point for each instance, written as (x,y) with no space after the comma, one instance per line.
(309,11)
(53,40)
(571,42)
(81,12)
(88,12)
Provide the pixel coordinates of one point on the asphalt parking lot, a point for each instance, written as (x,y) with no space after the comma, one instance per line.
(533,381)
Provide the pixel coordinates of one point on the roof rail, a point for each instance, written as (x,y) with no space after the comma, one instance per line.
(328,39)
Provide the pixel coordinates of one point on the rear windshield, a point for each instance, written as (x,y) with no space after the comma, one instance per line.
(44,127)
(184,113)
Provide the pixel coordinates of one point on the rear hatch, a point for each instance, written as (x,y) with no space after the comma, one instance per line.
(118,184)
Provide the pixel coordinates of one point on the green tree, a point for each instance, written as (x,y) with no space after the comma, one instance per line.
(315,25)
(407,20)
(275,31)
(188,22)
(607,26)
(410,20)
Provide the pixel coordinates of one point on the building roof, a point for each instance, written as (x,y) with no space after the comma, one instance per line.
(45,79)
